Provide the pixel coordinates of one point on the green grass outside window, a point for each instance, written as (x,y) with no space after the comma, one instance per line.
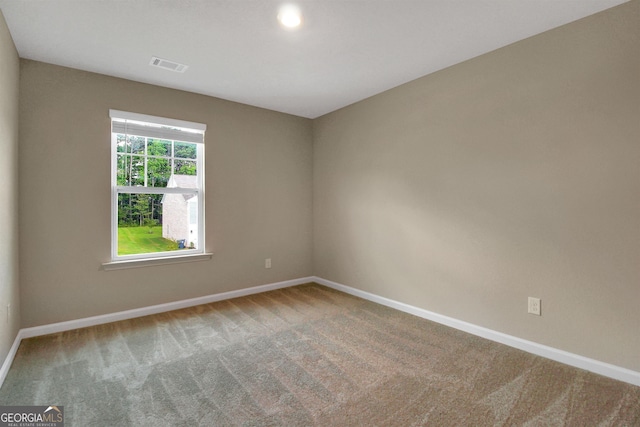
(142,240)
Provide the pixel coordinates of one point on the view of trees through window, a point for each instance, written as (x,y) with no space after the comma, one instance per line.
(145,223)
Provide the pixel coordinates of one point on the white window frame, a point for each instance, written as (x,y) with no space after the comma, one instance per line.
(161,128)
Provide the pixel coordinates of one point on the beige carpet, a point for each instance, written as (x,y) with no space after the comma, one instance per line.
(302,356)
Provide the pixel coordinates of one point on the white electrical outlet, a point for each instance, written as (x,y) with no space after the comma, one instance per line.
(267,263)
(534,306)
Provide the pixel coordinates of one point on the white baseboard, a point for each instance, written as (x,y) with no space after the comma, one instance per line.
(4,370)
(154,309)
(592,365)
(137,312)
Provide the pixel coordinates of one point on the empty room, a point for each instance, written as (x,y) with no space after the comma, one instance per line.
(318,212)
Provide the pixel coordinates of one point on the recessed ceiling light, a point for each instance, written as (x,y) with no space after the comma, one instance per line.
(290,16)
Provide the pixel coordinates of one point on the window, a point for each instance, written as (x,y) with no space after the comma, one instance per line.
(157,181)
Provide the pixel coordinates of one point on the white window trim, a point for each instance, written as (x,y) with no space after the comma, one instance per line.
(137,263)
(157,258)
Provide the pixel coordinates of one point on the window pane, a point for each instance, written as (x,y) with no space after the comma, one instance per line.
(185,167)
(185,150)
(121,145)
(130,170)
(158,147)
(158,172)
(134,172)
(122,169)
(136,144)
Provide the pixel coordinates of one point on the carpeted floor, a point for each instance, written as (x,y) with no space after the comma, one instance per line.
(303,356)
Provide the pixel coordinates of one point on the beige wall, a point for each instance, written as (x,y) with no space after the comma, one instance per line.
(514,174)
(258,196)
(9,290)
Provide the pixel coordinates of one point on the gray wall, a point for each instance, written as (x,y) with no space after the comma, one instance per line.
(514,174)
(258,196)
(9,290)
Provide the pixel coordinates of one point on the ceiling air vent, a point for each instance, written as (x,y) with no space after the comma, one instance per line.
(168,65)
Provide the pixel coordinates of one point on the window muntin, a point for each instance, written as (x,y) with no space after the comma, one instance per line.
(157,187)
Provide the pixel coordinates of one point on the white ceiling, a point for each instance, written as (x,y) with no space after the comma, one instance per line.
(347,50)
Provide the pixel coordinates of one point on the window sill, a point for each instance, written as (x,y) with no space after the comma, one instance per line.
(148,262)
